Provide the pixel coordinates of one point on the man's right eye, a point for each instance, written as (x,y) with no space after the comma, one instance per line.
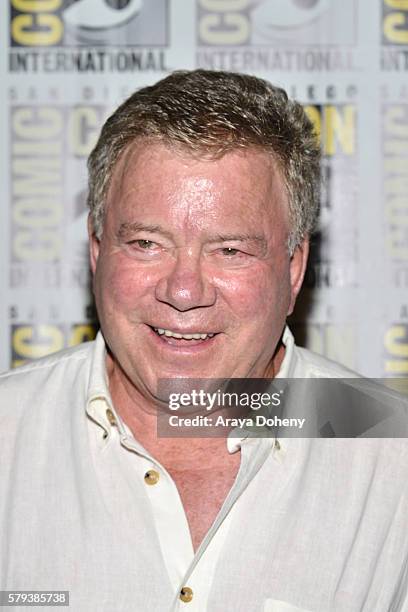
(143,244)
(143,248)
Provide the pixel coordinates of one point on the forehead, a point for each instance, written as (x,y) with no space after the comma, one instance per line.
(153,177)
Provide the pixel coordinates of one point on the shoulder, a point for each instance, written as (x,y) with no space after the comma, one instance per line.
(302,363)
(358,406)
(46,366)
(310,364)
(47,380)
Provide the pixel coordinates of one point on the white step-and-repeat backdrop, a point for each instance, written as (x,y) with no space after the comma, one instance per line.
(65,64)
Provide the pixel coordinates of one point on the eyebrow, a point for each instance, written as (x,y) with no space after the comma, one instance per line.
(127,229)
(261,240)
(238,237)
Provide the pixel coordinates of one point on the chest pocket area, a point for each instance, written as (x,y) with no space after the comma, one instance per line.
(273,605)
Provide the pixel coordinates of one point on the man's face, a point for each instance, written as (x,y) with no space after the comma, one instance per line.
(194,247)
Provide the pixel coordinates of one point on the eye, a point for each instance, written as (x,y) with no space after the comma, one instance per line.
(229,251)
(143,248)
(229,257)
(143,244)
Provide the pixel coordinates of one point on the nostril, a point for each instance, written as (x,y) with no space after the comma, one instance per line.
(185,292)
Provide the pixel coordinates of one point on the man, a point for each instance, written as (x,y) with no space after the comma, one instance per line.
(203,193)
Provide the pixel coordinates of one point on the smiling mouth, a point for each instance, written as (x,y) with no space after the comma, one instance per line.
(169,335)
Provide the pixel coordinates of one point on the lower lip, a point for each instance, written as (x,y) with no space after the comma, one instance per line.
(181,346)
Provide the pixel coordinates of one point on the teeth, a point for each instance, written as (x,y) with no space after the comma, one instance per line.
(170,334)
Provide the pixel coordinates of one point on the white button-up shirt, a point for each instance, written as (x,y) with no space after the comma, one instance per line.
(316,525)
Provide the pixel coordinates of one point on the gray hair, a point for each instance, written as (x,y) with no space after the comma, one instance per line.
(209,113)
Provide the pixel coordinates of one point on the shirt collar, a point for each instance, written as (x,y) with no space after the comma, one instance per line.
(288,364)
(99,406)
(98,396)
(286,370)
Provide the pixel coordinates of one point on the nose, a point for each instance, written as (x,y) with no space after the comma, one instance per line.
(184,285)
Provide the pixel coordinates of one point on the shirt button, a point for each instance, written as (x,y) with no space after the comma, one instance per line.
(111,417)
(151,477)
(186,594)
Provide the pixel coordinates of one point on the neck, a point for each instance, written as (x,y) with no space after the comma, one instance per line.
(140,415)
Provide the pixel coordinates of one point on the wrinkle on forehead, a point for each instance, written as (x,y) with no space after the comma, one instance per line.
(194,197)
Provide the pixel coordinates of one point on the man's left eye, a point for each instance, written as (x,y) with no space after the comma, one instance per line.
(229,251)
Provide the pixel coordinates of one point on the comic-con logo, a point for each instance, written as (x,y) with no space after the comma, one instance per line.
(33,341)
(84,14)
(48,147)
(395,22)
(285,15)
(42,23)
(396,350)
(260,22)
(394,26)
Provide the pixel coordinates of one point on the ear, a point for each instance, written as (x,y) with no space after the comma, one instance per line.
(94,245)
(297,264)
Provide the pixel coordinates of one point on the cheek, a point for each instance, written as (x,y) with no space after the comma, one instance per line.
(119,283)
(256,294)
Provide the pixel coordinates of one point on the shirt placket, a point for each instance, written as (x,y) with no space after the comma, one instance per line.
(168,512)
(191,575)
(195,588)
